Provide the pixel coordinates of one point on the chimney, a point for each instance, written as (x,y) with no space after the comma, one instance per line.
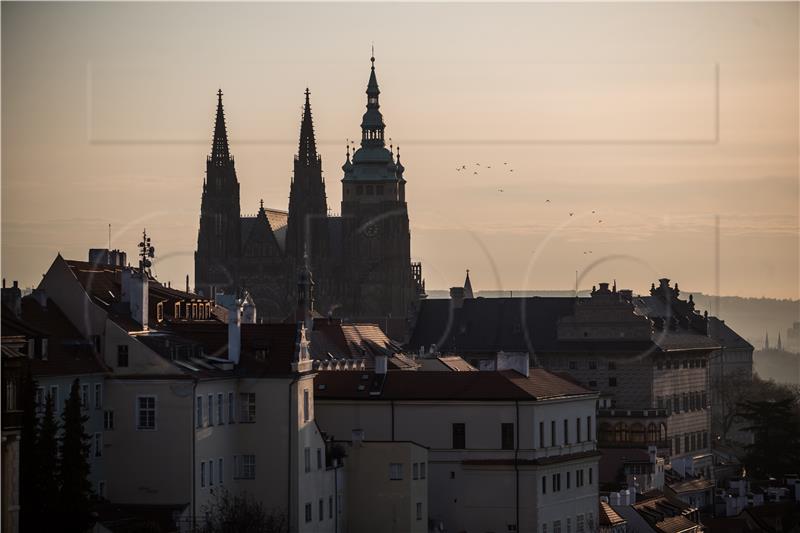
(456,297)
(234,329)
(12,298)
(135,292)
(519,361)
(381,364)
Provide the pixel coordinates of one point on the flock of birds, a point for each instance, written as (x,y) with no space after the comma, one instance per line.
(505,164)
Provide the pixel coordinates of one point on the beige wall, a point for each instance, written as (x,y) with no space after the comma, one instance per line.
(378,503)
(149,466)
(483,498)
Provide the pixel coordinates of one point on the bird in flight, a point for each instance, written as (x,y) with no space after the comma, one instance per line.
(599,221)
(501,190)
(547,201)
(474,172)
(571,213)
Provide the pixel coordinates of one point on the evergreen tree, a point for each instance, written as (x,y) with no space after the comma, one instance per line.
(44,514)
(29,473)
(76,490)
(776,430)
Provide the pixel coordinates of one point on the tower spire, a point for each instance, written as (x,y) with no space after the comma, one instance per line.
(220,154)
(307,152)
(372,125)
(468,287)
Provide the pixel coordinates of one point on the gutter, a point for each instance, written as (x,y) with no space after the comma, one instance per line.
(194,458)
(516,465)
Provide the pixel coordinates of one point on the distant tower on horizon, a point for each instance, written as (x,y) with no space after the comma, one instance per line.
(766,340)
(468,287)
(780,345)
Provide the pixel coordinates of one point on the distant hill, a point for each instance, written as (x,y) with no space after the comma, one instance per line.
(749,317)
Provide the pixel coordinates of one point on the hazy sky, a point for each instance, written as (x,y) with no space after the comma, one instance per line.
(658,117)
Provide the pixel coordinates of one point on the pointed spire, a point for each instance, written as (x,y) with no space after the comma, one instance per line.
(220,154)
(780,344)
(468,287)
(372,125)
(307,152)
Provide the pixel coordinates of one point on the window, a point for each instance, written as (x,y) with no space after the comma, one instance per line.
(220,419)
(507,436)
(379,189)
(556,482)
(39,399)
(669,405)
(552,433)
(244,466)
(578,429)
(705,439)
(199,411)
(395,471)
(210,409)
(541,434)
(221,471)
(319,458)
(305,406)
(54,397)
(415,471)
(573,365)
(321,513)
(557,526)
(612,381)
(569,525)
(579,524)
(359,189)
(202,473)
(568,477)
(122,355)
(589,434)
(566,431)
(592,364)
(85,396)
(146,412)
(544,484)
(592,384)
(330,506)
(308,512)
(247,407)
(693,442)
(211,473)
(704,400)
(686,443)
(590,475)
(98,444)
(612,365)
(108,420)
(579,478)
(419,510)
(101,489)
(677,444)
(422,473)
(459,436)
(98,395)
(231,407)
(307,459)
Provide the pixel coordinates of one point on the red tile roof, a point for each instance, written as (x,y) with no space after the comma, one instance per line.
(431,385)
(608,516)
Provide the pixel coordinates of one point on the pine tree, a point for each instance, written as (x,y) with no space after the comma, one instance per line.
(76,490)
(45,512)
(29,478)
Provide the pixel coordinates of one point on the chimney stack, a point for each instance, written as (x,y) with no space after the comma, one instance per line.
(519,361)
(456,297)
(12,298)
(381,364)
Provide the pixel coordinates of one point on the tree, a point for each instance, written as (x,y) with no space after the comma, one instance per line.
(229,513)
(44,512)
(776,429)
(76,490)
(29,478)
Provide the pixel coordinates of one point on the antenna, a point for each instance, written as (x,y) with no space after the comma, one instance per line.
(109,237)
(146,252)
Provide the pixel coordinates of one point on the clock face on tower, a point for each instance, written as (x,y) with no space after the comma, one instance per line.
(371,230)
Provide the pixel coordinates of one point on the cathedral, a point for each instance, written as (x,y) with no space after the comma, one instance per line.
(358,264)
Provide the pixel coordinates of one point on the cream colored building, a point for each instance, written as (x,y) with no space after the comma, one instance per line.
(191,409)
(387,486)
(507,451)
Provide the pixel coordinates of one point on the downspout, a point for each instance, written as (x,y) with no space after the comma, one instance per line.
(336,496)
(289,460)
(392,404)
(516,463)
(194,458)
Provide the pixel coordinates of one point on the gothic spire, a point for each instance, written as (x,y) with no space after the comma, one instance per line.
(220,154)
(468,287)
(372,125)
(307,152)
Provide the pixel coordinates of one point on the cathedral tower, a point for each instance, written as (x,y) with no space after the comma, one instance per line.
(375,229)
(219,237)
(308,208)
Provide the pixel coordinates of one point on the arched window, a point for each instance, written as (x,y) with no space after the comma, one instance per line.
(637,432)
(662,433)
(652,433)
(621,432)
